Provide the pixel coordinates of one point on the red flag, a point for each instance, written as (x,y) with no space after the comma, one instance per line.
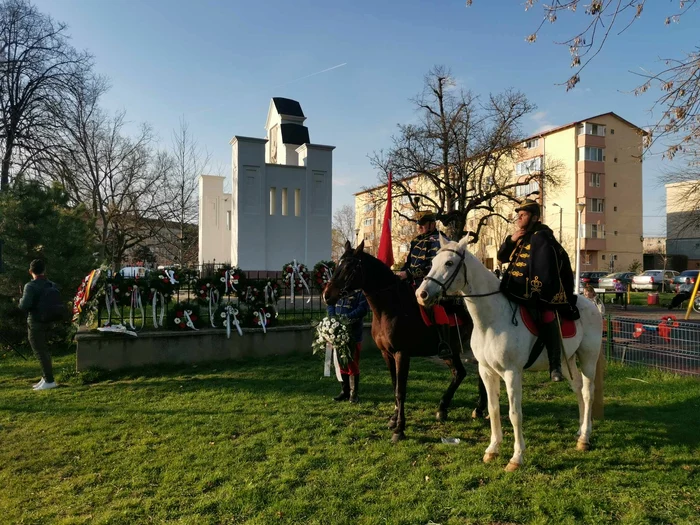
(385,253)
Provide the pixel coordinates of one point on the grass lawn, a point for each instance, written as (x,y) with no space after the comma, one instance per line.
(261,442)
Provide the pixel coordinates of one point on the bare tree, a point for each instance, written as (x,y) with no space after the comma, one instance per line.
(37,64)
(180,209)
(343,230)
(462,150)
(678,121)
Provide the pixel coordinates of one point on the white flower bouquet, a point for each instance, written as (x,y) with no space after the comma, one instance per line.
(336,332)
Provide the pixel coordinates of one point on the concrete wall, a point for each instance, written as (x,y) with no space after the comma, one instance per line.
(214,231)
(114,352)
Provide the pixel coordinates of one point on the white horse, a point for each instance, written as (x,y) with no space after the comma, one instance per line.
(501,343)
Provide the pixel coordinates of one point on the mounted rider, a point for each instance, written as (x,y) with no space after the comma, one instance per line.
(423,249)
(539,276)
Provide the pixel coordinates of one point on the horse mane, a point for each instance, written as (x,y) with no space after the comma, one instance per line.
(377,271)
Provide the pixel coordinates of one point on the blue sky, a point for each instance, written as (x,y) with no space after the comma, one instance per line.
(217,64)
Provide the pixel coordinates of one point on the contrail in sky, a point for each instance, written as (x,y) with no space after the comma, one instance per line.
(311,75)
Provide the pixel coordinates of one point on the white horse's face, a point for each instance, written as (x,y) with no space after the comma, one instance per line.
(446,275)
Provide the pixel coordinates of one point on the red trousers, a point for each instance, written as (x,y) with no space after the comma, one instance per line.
(353,368)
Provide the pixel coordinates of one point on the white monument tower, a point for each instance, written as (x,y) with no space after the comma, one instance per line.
(280,205)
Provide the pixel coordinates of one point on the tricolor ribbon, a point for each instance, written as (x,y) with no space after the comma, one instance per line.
(188,320)
(158,319)
(213,301)
(296,274)
(136,303)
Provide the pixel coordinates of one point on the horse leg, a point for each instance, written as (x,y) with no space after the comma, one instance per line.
(478,412)
(588,369)
(575,383)
(402,365)
(458,375)
(514,386)
(391,365)
(492,383)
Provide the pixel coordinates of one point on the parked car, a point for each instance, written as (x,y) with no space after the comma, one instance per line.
(654,280)
(680,279)
(591,278)
(608,282)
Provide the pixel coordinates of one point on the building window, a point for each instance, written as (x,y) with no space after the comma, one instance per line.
(590,129)
(615,232)
(528,167)
(590,153)
(612,131)
(614,208)
(369,236)
(273,199)
(368,222)
(532,143)
(596,205)
(594,179)
(614,184)
(297,202)
(273,144)
(527,189)
(228,220)
(284,201)
(595,231)
(369,207)
(603,257)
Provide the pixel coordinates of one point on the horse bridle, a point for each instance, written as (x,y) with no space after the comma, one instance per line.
(344,292)
(461,264)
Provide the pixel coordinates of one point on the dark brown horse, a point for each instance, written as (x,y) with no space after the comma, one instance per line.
(398,328)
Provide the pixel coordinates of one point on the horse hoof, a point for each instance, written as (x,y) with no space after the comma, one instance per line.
(397,436)
(441,415)
(489,457)
(392,423)
(512,467)
(583,446)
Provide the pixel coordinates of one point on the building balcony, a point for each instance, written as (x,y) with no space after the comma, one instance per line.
(594,141)
(593,244)
(584,188)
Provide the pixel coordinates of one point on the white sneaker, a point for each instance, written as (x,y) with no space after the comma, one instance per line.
(46,386)
(34,386)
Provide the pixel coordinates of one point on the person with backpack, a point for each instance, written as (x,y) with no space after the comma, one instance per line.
(42,302)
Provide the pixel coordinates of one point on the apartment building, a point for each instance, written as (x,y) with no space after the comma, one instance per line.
(598,161)
(682,220)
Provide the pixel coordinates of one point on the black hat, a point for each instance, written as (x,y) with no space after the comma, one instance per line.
(424,217)
(529,205)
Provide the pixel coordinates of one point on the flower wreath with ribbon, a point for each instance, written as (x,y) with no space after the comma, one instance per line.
(161,284)
(252,295)
(86,300)
(296,278)
(262,317)
(232,279)
(133,294)
(114,295)
(229,315)
(323,271)
(184,316)
(271,292)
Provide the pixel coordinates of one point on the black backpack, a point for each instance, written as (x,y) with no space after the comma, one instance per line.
(50,307)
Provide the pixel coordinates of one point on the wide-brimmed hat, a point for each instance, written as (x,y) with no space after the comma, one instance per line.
(425,216)
(529,205)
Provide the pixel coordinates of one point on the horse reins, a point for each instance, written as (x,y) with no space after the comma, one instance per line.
(444,286)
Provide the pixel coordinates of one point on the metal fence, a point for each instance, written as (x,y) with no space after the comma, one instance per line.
(667,344)
(303,307)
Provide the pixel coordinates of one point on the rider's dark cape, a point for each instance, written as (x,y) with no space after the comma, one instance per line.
(539,273)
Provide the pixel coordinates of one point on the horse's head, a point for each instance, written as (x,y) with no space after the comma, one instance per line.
(347,276)
(448,274)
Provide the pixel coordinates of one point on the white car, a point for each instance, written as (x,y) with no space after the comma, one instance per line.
(133,272)
(654,280)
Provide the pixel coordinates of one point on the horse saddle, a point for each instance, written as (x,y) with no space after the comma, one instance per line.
(438,315)
(568,327)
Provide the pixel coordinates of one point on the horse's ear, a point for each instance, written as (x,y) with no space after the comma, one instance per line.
(348,246)
(464,241)
(360,248)
(444,241)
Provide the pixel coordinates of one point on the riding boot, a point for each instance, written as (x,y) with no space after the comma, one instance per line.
(551,335)
(355,388)
(345,389)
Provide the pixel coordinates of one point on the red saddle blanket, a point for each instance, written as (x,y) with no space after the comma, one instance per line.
(568,327)
(440,317)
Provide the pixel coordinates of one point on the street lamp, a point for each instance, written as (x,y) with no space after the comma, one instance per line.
(580,206)
(560,210)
